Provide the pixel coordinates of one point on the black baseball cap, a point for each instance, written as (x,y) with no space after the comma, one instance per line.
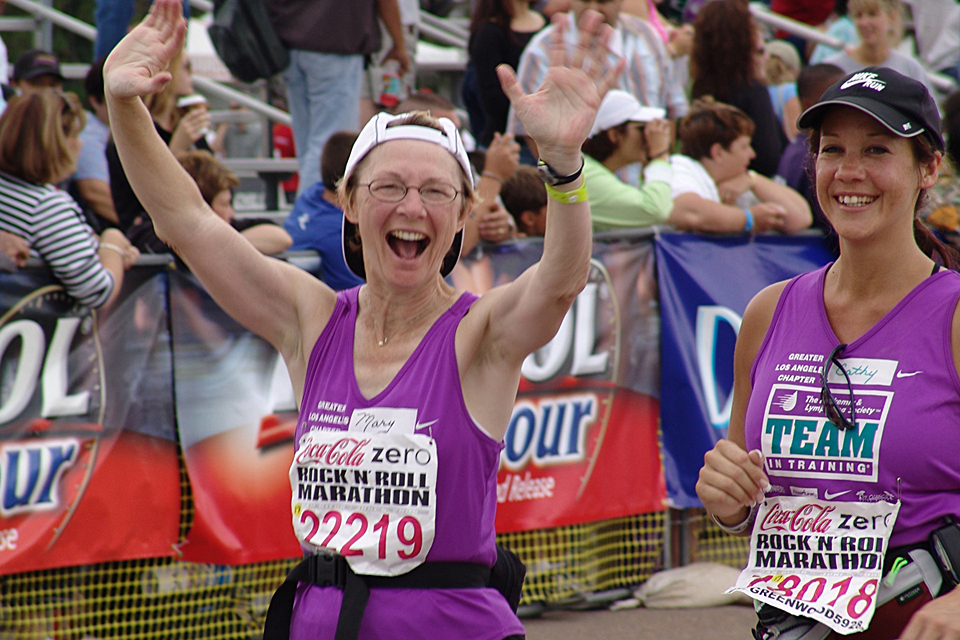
(901,104)
(36,62)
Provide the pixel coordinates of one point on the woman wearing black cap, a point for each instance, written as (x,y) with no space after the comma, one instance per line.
(404,376)
(841,456)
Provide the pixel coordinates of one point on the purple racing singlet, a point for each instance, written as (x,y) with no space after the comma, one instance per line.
(905,391)
(427,389)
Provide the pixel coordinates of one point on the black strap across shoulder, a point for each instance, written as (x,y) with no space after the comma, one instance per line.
(331,570)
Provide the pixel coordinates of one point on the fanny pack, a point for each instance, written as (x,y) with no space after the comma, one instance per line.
(922,568)
(332,570)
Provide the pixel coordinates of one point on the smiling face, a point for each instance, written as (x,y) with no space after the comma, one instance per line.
(404,242)
(868,179)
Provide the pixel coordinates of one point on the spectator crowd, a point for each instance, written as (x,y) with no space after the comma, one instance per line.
(699,134)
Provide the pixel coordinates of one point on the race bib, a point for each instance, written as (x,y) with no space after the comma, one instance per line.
(370,497)
(819,559)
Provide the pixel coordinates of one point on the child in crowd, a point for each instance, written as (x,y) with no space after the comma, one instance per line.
(315,220)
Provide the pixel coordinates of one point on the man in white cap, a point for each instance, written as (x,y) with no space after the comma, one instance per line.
(625,133)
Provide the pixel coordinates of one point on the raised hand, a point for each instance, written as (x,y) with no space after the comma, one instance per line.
(137,66)
(496,223)
(559,115)
(503,156)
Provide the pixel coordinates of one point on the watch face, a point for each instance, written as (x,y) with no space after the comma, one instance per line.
(550,177)
(546,174)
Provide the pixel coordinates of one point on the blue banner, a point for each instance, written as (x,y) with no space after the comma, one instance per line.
(705,284)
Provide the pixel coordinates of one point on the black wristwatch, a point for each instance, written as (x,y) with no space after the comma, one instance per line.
(550,177)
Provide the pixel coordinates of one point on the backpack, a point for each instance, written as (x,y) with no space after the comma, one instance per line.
(245,40)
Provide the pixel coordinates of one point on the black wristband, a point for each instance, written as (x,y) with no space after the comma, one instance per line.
(550,177)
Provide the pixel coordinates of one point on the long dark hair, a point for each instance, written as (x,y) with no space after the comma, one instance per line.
(499,12)
(724,42)
(923,151)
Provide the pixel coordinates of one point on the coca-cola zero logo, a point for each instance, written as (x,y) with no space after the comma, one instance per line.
(345,452)
(810,518)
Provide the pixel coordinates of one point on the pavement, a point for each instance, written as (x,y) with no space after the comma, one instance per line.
(732,622)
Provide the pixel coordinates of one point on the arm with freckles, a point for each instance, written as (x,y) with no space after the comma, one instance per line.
(280,302)
(731,479)
(511,321)
(558,116)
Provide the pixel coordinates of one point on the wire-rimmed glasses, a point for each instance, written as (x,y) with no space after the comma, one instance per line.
(433,193)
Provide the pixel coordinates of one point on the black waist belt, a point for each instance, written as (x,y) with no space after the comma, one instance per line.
(330,570)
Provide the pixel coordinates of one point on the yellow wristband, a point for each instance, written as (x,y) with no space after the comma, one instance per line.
(568,197)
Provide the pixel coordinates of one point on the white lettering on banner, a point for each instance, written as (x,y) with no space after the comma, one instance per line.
(30,474)
(574,341)
(516,488)
(8,539)
(33,367)
(819,559)
(552,431)
(709,318)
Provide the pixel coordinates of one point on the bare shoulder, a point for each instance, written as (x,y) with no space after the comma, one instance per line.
(476,324)
(758,315)
(313,303)
(765,302)
(955,338)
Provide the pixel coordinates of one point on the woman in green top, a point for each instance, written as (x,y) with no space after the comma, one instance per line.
(624,134)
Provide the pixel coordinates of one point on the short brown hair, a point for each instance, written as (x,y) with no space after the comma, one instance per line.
(34,133)
(211,176)
(709,122)
(523,191)
(424,101)
(333,159)
(600,147)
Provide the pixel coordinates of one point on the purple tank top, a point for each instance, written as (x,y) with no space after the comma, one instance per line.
(466,502)
(907,397)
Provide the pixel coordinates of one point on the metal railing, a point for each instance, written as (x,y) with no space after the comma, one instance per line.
(208,87)
(763,14)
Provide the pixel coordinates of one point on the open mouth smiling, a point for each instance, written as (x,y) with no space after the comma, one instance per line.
(407,244)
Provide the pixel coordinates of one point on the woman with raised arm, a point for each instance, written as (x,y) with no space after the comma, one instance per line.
(405,384)
(846,402)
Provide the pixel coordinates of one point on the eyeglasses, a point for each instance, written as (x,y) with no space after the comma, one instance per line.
(831,408)
(434,193)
